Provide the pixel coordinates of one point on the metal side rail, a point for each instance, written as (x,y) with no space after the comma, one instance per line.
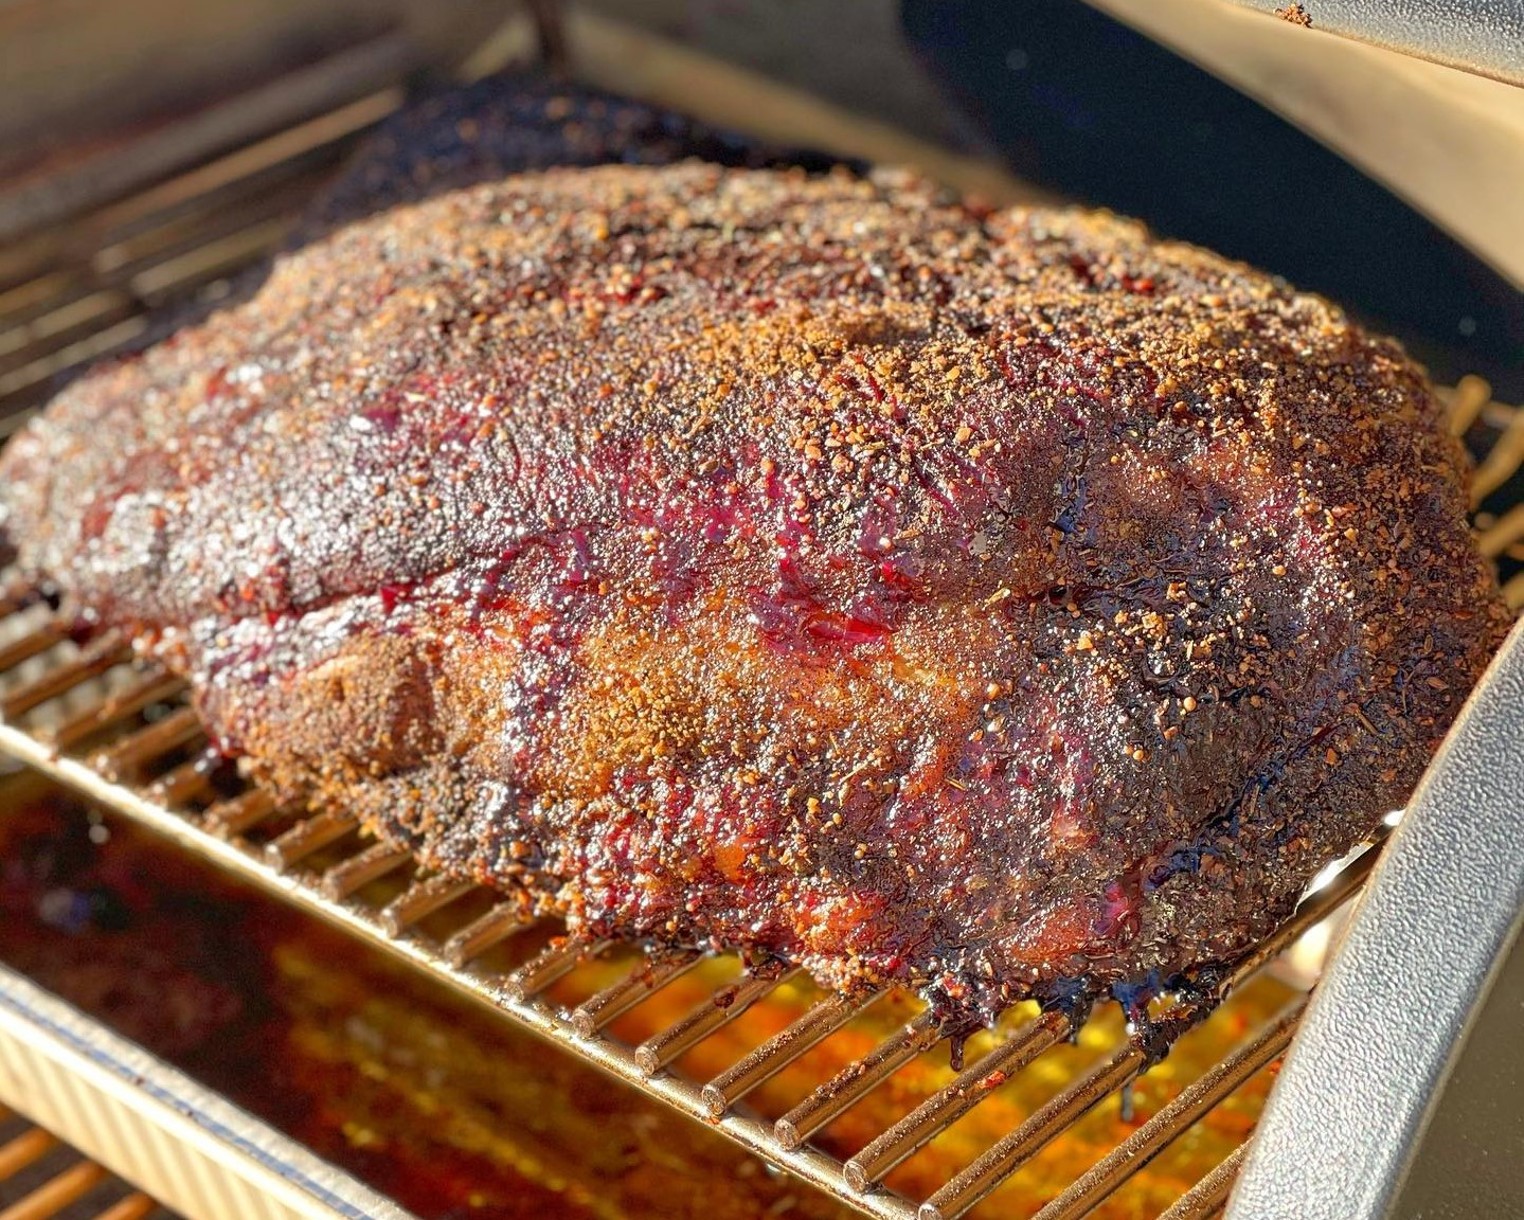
(140,1118)
(1422,951)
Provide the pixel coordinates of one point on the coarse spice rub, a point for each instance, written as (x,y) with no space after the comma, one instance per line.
(999,603)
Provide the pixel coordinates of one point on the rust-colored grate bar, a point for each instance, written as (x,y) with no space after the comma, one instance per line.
(656,972)
(94,660)
(854,1082)
(1108,1175)
(1209,1197)
(780,1050)
(723,1007)
(355,873)
(421,900)
(968,1089)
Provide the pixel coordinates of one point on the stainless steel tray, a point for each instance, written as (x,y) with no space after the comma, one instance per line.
(154,1126)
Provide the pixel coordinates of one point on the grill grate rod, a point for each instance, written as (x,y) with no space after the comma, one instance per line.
(306,837)
(33,644)
(723,1007)
(129,758)
(240,814)
(355,873)
(59,1183)
(617,999)
(15,597)
(949,1104)
(188,782)
(421,900)
(1209,1197)
(133,1207)
(1008,1155)
(25,1149)
(471,941)
(856,1080)
(1017,1148)
(1173,1119)
(58,1193)
(555,962)
(102,654)
(155,687)
(782,1049)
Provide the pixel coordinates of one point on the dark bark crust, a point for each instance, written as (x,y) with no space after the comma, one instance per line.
(997,603)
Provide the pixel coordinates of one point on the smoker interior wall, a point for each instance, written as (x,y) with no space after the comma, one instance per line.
(1082,104)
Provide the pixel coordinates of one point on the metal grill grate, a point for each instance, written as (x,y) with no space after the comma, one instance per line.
(92,282)
(42,1178)
(94,253)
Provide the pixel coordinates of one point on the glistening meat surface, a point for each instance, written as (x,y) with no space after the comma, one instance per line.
(999,603)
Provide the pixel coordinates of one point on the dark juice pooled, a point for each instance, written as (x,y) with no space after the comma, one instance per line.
(436,1103)
(408,1087)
